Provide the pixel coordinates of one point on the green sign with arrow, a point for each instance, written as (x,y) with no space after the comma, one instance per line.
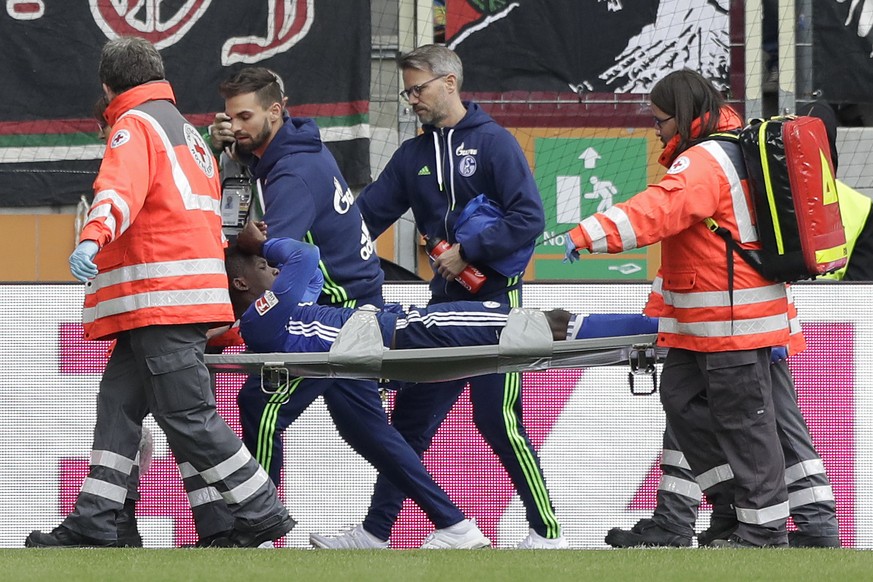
(578,177)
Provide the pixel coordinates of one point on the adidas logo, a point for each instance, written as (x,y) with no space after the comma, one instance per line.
(424,171)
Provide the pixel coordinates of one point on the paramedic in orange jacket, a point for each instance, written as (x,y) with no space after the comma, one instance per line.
(720,318)
(152,258)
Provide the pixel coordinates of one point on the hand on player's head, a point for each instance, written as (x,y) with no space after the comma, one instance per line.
(252,237)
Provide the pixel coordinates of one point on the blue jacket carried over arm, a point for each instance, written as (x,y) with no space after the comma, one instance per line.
(438,172)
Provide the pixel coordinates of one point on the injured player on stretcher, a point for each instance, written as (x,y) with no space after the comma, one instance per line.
(278,312)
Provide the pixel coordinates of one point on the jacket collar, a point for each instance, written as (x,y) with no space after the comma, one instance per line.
(728,119)
(151,91)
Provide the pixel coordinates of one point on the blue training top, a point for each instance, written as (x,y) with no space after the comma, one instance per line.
(286,319)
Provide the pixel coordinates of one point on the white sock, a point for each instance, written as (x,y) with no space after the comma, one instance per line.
(574,326)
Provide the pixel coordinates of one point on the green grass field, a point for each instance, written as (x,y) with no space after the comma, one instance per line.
(218,565)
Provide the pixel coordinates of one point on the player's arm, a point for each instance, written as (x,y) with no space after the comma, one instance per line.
(299,260)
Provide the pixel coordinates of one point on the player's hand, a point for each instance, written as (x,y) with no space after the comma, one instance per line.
(571,255)
(220,132)
(81,261)
(252,237)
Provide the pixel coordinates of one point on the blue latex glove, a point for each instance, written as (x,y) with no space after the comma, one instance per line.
(81,264)
(778,354)
(571,255)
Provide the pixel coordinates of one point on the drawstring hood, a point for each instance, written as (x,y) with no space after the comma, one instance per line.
(475,156)
(439,160)
(438,155)
(451,173)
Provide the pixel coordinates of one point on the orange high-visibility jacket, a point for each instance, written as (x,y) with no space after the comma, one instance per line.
(156,217)
(698,312)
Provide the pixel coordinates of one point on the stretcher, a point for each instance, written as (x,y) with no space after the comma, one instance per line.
(525,345)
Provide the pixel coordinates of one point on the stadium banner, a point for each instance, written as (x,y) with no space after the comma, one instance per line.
(598,443)
(49,151)
(601,47)
(842,45)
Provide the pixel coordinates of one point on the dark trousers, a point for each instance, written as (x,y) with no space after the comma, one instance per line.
(160,369)
(720,408)
(356,409)
(810,496)
(418,412)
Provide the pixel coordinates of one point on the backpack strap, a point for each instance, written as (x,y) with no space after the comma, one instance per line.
(751,257)
(732,136)
(730,246)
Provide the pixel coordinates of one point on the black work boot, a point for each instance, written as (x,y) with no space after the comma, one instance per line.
(246,534)
(718,530)
(733,542)
(646,533)
(736,542)
(219,540)
(126,526)
(62,537)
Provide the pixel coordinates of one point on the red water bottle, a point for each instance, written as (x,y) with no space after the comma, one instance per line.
(470,278)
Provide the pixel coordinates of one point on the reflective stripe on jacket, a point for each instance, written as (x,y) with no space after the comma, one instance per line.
(156,216)
(655,306)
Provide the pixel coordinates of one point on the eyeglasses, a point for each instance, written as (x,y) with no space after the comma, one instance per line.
(660,122)
(415,90)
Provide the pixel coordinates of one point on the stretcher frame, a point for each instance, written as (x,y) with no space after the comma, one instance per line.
(525,345)
(430,365)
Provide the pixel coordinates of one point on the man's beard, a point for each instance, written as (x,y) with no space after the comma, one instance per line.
(257,141)
(431,117)
(435,114)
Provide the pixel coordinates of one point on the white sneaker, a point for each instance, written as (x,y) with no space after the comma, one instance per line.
(356,538)
(267,545)
(464,535)
(535,541)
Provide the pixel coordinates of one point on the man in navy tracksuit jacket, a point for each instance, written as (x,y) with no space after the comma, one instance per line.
(306,198)
(462,153)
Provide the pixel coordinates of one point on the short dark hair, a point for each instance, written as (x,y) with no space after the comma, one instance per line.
(129,61)
(236,261)
(264,83)
(687,95)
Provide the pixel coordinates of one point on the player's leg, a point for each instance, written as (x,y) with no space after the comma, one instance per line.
(497,413)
